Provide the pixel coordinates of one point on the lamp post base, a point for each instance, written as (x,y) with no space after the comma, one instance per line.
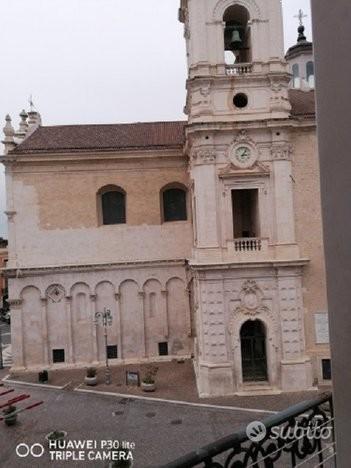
(108,376)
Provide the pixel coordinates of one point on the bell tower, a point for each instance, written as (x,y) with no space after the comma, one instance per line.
(246,262)
(235,53)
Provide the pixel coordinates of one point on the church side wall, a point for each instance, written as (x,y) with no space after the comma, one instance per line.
(308,220)
(56,219)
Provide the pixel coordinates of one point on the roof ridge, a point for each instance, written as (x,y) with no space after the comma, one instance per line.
(115,124)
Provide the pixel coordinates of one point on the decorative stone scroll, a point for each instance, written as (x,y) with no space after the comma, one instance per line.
(243,137)
(282,152)
(251,298)
(204,156)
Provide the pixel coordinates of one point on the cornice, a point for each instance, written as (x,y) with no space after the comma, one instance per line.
(255,264)
(291,122)
(77,156)
(24,272)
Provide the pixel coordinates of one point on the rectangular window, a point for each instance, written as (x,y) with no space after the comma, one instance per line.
(326,367)
(112,352)
(163,349)
(58,355)
(245,213)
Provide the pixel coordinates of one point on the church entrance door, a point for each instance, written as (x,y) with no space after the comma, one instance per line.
(253,351)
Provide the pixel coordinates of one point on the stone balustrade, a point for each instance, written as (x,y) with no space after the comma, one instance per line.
(248,244)
(239,69)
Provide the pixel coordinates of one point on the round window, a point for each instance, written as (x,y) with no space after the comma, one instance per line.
(240,100)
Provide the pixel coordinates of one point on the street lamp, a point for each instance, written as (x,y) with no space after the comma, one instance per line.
(105,318)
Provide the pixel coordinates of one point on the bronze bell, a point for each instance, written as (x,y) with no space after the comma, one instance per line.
(236,41)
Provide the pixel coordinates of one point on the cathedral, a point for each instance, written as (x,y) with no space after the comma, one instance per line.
(203,238)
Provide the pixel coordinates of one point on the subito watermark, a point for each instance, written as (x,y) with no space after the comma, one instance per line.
(316,429)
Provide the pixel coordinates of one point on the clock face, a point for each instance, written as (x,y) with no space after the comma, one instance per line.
(243,154)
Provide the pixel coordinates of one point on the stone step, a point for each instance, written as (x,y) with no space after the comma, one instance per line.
(7,356)
(258,389)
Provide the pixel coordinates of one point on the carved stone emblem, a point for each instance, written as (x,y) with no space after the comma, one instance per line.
(243,137)
(251,298)
(55,293)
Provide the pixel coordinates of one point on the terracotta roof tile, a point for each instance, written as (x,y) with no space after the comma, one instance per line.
(104,137)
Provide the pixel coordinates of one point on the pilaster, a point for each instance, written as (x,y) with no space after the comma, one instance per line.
(70,332)
(17,335)
(45,334)
(94,325)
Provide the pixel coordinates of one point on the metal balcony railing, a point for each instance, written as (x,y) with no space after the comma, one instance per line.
(301,436)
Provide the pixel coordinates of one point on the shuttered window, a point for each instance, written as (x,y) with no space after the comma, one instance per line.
(174,205)
(113,207)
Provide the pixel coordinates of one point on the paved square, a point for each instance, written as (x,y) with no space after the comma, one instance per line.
(161,431)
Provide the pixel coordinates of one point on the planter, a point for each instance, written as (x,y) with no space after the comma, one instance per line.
(91,381)
(10,419)
(148,387)
(43,377)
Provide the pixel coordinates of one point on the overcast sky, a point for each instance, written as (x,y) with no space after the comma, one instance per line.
(98,61)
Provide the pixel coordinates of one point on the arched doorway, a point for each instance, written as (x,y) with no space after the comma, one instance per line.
(253,351)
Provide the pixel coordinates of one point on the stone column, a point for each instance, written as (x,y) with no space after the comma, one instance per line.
(296,366)
(283,195)
(164,303)
(141,295)
(206,182)
(93,327)
(11,215)
(45,334)
(188,315)
(17,334)
(70,331)
(119,325)
(215,375)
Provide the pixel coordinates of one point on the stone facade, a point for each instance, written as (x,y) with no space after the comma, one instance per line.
(248,253)
(55,310)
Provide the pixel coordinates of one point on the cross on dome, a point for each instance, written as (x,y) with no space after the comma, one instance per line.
(300,16)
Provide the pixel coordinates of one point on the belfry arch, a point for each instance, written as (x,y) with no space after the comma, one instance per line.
(237,35)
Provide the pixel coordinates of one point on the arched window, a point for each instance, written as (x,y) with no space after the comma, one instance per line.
(174,203)
(112,205)
(237,41)
(309,70)
(296,75)
(310,73)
